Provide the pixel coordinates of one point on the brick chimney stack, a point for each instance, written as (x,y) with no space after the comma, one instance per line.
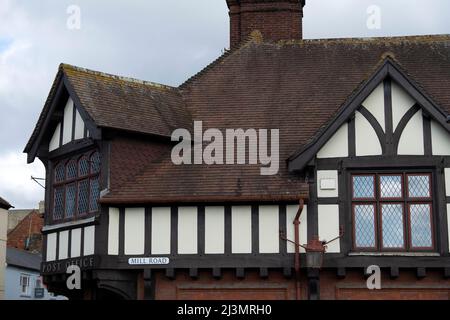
(275,19)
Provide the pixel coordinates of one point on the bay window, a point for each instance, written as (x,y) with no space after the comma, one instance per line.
(392,212)
(76,188)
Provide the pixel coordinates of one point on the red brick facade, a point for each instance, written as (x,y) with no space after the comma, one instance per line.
(276,20)
(276,287)
(30,227)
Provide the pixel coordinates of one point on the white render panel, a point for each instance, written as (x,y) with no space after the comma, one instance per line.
(187,230)
(411,141)
(447,182)
(324,178)
(79,126)
(269,230)
(54,142)
(51,246)
(401,103)
(367,142)
(68,119)
(329,226)
(75,243)
(113,231)
(241,229)
(161,230)
(375,104)
(214,230)
(89,241)
(291,212)
(134,231)
(337,146)
(63,245)
(440,140)
(448,223)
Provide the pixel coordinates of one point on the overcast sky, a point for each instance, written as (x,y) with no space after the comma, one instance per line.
(163,41)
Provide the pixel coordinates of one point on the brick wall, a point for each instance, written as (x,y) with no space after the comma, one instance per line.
(30,226)
(276,20)
(277,287)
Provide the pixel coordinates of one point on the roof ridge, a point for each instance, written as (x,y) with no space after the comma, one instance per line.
(254,37)
(415,38)
(65,66)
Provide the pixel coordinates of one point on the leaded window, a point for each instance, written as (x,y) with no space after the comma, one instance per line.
(392,212)
(76,187)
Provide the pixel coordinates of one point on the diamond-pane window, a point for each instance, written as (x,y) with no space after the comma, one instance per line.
(364,226)
(363,187)
(83,197)
(94,195)
(391,187)
(60,173)
(83,167)
(421,235)
(71,170)
(58,206)
(392,225)
(419,186)
(71,190)
(95,163)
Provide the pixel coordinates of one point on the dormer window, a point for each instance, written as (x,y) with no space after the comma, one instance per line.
(392,212)
(76,188)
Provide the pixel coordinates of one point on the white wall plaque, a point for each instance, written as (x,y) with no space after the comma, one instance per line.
(149,261)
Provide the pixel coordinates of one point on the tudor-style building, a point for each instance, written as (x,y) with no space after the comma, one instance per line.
(364,144)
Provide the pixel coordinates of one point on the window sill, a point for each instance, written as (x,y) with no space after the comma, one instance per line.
(394,254)
(68,224)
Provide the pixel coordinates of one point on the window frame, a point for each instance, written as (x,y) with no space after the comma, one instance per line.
(405,201)
(26,293)
(66,182)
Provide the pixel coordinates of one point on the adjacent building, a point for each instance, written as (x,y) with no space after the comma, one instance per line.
(22,277)
(4,206)
(364,167)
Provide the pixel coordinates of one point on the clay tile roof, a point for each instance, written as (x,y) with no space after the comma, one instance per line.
(294,86)
(122,103)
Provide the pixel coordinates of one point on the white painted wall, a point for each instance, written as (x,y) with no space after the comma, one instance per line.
(440,140)
(75,245)
(113,231)
(79,126)
(447,181)
(51,246)
(269,230)
(367,143)
(448,223)
(337,146)
(89,240)
(241,229)
(411,142)
(161,230)
(187,230)
(54,142)
(63,245)
(375,104)
(327,186)
(68,119)
(3,239)
(329,226)
(401,103)
(68,127)
(134,231)
(214,230)
(291,212)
